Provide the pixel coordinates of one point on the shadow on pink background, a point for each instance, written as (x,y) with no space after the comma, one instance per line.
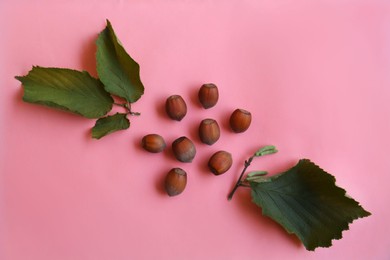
(314,74)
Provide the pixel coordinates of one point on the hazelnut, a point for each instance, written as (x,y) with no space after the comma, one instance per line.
(208,95)
(176,107)
(220,162)
(175,181)
(184,149)
(153,143)
(209,131)
(240,120)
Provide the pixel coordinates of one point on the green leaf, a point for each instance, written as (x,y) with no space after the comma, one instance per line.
(306,201)
(257,173)
(117,70)
(253,176)
(269,149)
(110,124)
(66,89)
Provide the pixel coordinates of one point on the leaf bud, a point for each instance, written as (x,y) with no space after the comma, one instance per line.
(208,95)
(220,162)
(240,120)
(175,181)
(176,107)
(153,143)
(184,149)
(209,131)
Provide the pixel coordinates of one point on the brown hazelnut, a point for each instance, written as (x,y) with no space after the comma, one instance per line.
(175,181)
(176,107)
(209,131)
(240,120)
(208,95)
(220,162)
(153,143)
(184,149)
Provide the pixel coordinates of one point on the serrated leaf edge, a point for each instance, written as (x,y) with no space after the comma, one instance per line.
(110,30)
(338,235)
(112,131)
(55,105)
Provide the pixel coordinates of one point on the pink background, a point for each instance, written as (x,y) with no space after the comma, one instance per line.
(315,75)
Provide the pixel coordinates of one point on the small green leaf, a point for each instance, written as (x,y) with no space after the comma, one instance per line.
(306,201)
(257,173)
(117,70)
(66,89)
(110,124)
(269,149)
(253,176)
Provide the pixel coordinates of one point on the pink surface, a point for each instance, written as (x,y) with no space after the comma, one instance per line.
(315,75)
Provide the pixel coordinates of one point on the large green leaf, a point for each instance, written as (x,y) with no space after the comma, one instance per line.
(117,70)
(66,89)
(110,124)
(306,202)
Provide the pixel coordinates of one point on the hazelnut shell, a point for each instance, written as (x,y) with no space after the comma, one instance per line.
(209,131)
(153,143)
(176,107)
(175,181)
(184,149)
(220,162)
(208,95)
(240,120)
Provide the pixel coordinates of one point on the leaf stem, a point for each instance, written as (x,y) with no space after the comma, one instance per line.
(121,105)
(269,149)
(134,113)
(127,106)
(239,182)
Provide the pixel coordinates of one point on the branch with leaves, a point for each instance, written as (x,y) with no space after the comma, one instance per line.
(270,149)
(80,93)
(304,200)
